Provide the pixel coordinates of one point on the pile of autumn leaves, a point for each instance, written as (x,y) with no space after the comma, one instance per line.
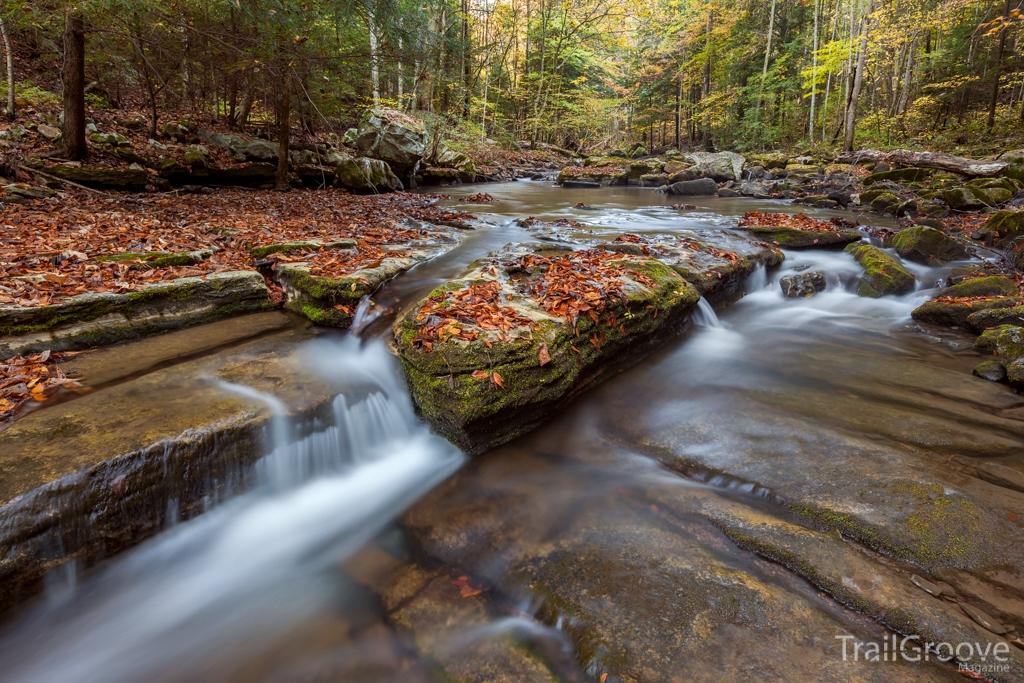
(566,286)
(797,221)
(50,252)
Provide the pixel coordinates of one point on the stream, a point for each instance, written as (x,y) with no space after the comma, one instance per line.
(768,401)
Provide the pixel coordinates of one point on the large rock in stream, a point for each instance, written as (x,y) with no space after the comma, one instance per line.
(882,273)
(493,354)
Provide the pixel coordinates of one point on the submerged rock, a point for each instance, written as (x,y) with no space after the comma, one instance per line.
(516,347)
(926,245)
(882,273)
(992,370)
(803,285)
(1001,475)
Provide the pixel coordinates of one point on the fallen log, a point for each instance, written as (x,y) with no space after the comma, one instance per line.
(944,162)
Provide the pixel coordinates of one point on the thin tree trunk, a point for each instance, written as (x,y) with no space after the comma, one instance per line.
(998,67)
(706,84)
(283,138)
(907,79)
(9,53)
(858,79)
(814,69)
(374,64)
(74,87)
(242,115)
(465,59)
(678,90)
(767,54)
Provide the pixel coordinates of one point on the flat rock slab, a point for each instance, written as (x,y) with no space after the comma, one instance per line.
(483,380)
(94,319)
(333,301)
(715,262)
(86,478)
(124,360)
(795,238)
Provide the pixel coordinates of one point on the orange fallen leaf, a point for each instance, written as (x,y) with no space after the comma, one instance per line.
(480,374)
(468,587)
(543,356)
(497,380)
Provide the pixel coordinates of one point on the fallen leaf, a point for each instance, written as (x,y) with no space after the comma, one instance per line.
(468,587)
(543,356)
(480,374)
(497,380)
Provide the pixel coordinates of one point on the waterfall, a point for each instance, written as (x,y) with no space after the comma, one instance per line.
(248,570)
(757,280)
(704,315)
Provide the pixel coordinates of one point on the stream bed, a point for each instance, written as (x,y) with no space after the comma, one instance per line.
(744,504)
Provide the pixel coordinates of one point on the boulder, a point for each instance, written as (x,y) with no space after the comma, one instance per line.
(991,285)
(393,137)
(884,202)
(961,313)
(49,133)
(962,199)
(719,166)
(882,273)
(992,370)
(1008,226)
(703,186)
(362,174)
(926,245)
(1009,311)
(481,382)
(803,285)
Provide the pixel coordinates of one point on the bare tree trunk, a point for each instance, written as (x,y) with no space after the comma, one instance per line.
(374,63)
(242,115)
(9,53)
(908,76)
(944,162)
(767,53)
(74,87)
(998,67)
(814,69)
(465,59)
(706,84)
(858,79)
(283,138)
(678,91)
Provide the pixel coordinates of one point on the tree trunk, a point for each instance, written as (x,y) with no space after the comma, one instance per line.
(858,79)
(943,162)
(374,64)
(11,103)
(74,88)
(998,67)
(814,70)
(242,115)
(767,54)
(465,59)
(283,135)
(677,113)
(706,84)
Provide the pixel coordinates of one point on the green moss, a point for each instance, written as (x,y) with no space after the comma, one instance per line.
(267,250)
(992,285)
(793,238)
(882,273)
(957,314)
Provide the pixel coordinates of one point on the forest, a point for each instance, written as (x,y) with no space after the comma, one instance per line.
(581,74)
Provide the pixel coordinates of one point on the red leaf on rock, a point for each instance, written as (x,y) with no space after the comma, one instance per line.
(543,356)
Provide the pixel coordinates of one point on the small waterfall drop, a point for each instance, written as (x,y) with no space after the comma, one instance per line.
(248,570)
(704,315)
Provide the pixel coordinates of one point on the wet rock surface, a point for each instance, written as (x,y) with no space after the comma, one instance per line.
(803,285)
(883,275)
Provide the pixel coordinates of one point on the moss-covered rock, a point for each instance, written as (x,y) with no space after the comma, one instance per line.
(545,360)
(94,319)
(102,178)
(795,238)
(882,273)
(1008,226)
(955,313)
(926,245)
(991,285)
(362,174)
(962,199)
(992,370)
(159,259)
(900,175)
(886,202)
(1010,314)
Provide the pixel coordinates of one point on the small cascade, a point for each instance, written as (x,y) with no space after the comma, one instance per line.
(247,571)
(704,315)
(757,280)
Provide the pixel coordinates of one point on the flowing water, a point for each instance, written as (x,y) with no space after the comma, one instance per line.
(805,397)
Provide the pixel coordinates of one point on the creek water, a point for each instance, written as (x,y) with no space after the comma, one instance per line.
(768,390)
